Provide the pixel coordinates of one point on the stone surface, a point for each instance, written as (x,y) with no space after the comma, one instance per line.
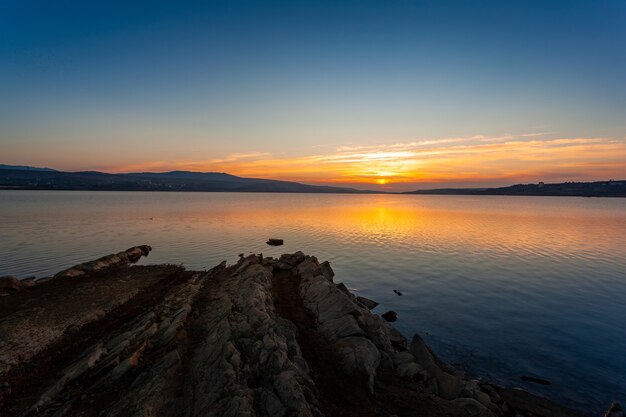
(615,410)
(109,340)
(390,316)
(370,304)
(10,283)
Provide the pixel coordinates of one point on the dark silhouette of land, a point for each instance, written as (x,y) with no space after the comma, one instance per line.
(27,178)
(565,189)
(31,178)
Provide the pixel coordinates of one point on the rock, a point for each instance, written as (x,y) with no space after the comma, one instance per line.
(118,260)
(370,304)
(535,380)
(397,339)
(274,242)
(615,410)
(134,254)
(268,261)
(28,282)
(291,259)
(308,267)
(482,397)
(397,292)
(342,287)
(10,284)
(390,316)
(359,355)
(282,266)
(327,271)
(473,408)
(72,329)
(449,385)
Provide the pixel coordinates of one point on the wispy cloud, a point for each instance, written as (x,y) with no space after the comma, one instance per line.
(510,158)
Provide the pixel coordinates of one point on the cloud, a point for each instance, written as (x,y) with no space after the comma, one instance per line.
(508,158)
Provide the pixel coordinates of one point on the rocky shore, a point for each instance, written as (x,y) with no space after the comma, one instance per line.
(264,337)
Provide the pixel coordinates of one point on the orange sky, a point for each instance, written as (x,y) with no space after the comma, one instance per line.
(473,161)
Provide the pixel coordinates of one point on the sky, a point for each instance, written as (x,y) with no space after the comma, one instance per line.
(395,95)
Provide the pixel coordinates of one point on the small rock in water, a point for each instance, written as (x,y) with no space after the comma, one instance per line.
(540,381)
(274,242)
(397,292)
(615,410)
(390,316)
(370,304)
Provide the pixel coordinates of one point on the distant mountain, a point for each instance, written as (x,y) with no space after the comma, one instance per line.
(573,189)
(46,179)
(25,168)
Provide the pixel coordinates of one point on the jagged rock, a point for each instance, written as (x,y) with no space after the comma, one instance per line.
(615,410)
(397,338)
(327,271)
(215,344)
(449,386)
(342,287)
(370,304)
(246,342)
(359,355)
(292,259)
(282,266)
(309,267)
(390,316)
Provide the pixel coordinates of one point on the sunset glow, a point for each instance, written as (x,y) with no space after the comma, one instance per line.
(403,166)
(393,97)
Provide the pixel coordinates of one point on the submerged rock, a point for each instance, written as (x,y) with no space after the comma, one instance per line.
(274,242)
(535,380)
(390,316)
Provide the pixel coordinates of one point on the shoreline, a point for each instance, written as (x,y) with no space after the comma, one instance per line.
(265,336)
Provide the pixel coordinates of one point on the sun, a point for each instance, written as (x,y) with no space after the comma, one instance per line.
(382,181)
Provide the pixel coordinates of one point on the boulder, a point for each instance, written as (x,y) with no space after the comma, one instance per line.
(292,259)
(358,355)
(274,242)
(390,316)
(370,304)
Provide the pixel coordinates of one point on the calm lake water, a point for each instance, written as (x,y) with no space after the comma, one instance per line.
(502,286)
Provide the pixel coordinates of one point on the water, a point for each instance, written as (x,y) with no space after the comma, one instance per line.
(502,286)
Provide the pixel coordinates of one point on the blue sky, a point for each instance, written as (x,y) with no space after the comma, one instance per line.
(113,85)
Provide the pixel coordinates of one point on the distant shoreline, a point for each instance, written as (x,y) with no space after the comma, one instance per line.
(410,193)
(30,178)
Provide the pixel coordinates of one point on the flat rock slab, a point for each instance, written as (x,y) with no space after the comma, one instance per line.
(31,320)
